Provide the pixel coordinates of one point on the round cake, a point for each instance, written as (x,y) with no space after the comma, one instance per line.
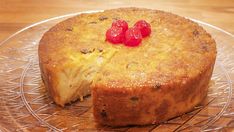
(165,76)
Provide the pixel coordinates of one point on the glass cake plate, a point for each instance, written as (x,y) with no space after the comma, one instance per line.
(25,104)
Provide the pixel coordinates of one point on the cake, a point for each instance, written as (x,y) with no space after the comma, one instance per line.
(165,76)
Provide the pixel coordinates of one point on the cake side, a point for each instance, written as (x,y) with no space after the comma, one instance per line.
(70,78)
(149,104)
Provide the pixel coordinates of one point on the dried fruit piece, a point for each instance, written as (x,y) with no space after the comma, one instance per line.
(133,37)
(115,35)
(120,23)
(144,27)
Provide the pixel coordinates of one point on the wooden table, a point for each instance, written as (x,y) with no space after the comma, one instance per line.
(16,14)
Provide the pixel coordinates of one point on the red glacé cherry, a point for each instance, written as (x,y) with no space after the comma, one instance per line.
(133,37)
(115,35)
(144,27)
(120,23)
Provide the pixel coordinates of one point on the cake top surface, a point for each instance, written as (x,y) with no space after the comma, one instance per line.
(176,49)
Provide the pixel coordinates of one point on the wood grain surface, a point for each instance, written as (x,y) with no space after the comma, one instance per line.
(16,14)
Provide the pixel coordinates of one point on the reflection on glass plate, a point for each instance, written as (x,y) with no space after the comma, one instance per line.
(25,104)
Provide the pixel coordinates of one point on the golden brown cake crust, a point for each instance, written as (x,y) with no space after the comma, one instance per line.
(166,76)
(149,104)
